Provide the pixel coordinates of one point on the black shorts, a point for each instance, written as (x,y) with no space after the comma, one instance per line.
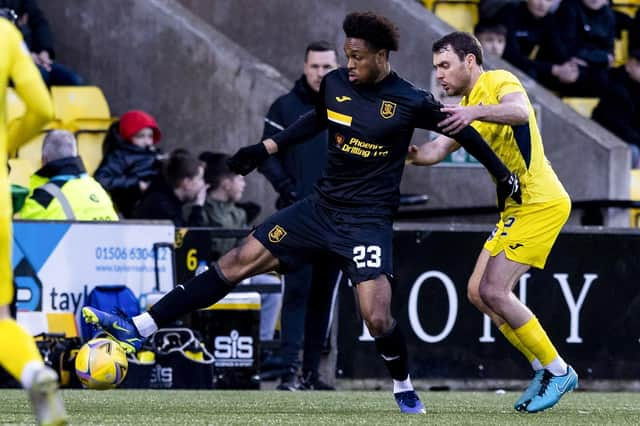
(360,245)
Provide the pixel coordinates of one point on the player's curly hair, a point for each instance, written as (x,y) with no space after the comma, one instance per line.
(378,31)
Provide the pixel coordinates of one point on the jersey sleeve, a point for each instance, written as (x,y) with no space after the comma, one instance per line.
(31,89)
(507,83)
(429,115)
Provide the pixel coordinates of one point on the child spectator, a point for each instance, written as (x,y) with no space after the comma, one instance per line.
(492,37)
(180,183)
(131,159)
(222,207)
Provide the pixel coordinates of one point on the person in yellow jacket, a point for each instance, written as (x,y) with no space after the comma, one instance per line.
(18,352)
(62,189)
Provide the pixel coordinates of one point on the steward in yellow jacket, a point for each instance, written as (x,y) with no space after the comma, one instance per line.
(62,189)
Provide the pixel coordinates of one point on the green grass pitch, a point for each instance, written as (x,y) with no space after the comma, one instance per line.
(153,407)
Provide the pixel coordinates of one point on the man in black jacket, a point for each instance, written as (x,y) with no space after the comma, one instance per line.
(293,173)
(37,35)
(529,26)
(584,32)
(619,107)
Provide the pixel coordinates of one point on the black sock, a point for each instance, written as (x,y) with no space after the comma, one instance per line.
(199,292)
(393,350)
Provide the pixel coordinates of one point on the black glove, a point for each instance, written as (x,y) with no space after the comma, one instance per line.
(248,158)
(508,187)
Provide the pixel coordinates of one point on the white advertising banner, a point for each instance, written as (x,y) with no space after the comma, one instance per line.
(57,264)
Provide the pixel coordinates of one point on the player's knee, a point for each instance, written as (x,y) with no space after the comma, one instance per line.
(490,295)
(378,324)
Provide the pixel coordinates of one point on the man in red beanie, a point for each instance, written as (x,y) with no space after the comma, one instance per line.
(131,159)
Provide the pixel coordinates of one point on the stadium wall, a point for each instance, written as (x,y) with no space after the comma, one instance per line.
(170,56)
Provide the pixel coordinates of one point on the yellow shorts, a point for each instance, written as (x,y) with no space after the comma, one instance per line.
(527,233)
(6,274)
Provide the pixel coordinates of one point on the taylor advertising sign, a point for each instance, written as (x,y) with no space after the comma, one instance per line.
(57,264)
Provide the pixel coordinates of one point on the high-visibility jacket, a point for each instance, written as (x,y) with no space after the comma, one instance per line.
(62,190)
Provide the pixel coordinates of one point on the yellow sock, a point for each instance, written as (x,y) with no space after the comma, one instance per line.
(17,348)
(511,336)
(535,339)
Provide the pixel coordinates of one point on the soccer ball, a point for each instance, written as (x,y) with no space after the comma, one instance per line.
(101,364)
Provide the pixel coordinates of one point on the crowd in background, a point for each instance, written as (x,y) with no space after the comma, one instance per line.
(568,46)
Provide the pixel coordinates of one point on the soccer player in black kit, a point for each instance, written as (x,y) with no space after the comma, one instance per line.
(370,113)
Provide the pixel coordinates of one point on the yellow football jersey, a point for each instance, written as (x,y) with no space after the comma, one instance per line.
(16,65)
(519,147)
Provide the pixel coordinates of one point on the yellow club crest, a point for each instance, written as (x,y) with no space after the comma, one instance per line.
(277,234)
(387,109)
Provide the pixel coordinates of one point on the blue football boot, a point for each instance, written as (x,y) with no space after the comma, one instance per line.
(409,402)
(119,327)
(531,391)
(551,390)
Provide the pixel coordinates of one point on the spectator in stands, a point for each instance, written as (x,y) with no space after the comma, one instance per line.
(180,183)
(492,37)
(62,189)
(293,173)
(222,206)
(583,34)
(619,106)
(37,34)
(222,209)
(529,25)
(131,159)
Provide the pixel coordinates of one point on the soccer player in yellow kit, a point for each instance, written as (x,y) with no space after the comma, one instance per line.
(497,106)
(18,352)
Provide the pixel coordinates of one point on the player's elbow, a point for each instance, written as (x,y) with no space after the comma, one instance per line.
(520,115)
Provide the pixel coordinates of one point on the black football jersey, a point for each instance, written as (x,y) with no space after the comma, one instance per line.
(370,129)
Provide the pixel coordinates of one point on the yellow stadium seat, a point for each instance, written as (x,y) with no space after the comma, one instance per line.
(21,171)
(628,7)
(80,107)
(32,151)
(461,15)
(621,49)
(634,214)
(584,106)
(90,148)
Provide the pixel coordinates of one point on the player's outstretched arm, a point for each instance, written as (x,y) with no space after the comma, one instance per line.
(432,152)
(250,157)
(513,110)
